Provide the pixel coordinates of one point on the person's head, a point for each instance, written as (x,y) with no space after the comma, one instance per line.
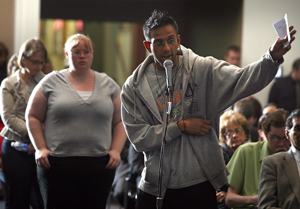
(234,129)
(246,108)
(292,128)
(233,55)
(257,108)
(12,65)
(296,70)
(79,51)
(161,38)
(260,129)
(32,56)
(3,55)
(274,129)
(270,107)
(48,67)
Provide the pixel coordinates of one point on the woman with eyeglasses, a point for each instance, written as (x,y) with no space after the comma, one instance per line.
(79,147)
(234,131)
(19,168)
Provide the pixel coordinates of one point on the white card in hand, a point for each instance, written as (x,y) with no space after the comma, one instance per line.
(282,29)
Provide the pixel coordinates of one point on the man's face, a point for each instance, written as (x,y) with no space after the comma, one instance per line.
(296,73)
(233,57)
(294,133)
(277,142)
(163,45)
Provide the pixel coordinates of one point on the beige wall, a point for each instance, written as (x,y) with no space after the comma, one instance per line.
(7,23)
(259,34)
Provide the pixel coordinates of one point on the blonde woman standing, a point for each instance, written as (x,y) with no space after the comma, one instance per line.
(83,136)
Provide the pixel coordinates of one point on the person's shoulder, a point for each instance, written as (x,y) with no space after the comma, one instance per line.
(283,80)
(276,157)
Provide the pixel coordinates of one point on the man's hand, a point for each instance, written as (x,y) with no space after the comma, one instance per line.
(277,50)
(195,126)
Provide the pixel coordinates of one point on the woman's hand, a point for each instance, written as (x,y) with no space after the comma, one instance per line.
(41,157)
(114,161)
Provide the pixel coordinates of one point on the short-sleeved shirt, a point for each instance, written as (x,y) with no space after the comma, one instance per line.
(74,126)
(244,167)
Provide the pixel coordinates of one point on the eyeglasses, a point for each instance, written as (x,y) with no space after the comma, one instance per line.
(277,139)
(78,53)
(160,44)
(36,62)
(231,132)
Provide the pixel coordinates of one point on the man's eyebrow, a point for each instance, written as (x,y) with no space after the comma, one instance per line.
(160,39)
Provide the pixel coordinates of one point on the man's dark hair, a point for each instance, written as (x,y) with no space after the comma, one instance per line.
(234,48)
(276,118)
(296,64)
(289,123)
(245,107)
(156,20)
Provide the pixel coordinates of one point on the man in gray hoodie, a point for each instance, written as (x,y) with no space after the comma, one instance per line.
(193,165)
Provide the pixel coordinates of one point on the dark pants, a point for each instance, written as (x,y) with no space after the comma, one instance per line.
(19,169)
(199,196)
(76,182)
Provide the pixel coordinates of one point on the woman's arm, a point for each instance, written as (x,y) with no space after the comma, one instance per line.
(119,136)
(35,116)
(8,105)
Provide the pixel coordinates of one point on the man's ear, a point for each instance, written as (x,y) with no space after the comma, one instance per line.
(147,46)
(287,134)
(67,55)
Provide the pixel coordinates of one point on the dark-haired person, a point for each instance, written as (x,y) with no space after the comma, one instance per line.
(203,87)
(285,91)
(279,177)
(19,167)
(244,166)
(233,55)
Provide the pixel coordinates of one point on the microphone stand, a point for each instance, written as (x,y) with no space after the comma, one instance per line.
(159,199)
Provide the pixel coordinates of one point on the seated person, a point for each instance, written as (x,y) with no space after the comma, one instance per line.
(234,131)
(279,178)
(246,108)
(260,128)
(270,107)
(244,166)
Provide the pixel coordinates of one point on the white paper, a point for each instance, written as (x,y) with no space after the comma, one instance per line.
(282,29)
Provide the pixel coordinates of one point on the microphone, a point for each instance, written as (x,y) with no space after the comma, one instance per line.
(168,64)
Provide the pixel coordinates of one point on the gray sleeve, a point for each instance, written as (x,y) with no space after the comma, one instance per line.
(230,83)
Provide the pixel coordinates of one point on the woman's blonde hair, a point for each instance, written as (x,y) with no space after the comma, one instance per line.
(74,41)
(235,118)
(30,47)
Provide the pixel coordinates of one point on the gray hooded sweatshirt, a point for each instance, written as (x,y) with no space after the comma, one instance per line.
(209,87)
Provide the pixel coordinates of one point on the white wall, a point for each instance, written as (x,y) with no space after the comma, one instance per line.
(258,33)
(27,21)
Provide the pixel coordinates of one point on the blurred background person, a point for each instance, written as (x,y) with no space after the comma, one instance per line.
(247,109)
(260,128)
(234,131)
(12,65)
(79,148)
(268,108)
(19,167)
(233,55)
(48,67)
(285,91)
